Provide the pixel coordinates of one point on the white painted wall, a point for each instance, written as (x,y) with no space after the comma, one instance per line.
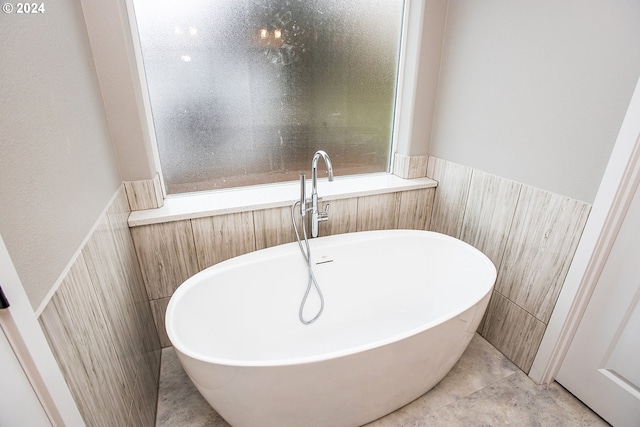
(536,90)
(57,166)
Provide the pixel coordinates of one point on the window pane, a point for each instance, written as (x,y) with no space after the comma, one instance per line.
(244,92)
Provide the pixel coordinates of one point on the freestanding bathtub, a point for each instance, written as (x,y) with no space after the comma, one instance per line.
(400,309)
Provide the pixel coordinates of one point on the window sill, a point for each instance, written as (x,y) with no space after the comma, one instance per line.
(222,202)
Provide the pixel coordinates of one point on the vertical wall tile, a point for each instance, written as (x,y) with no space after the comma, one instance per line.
(167,256)
(544,235)
(159,308)
(108,280)
(489,213)
(118,215)
(68,357)
(73,322)
(401,165)
(144,194)
(418,166)
(273,227)
(379,212)
(482,322)
(221,237)
(410,167)
(513,331)
(415,209)
(451,195)
(343,215)
(142,331)
(145,398)
(143,334)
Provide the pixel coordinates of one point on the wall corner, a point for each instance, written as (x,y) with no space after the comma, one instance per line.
(409,167)
(144,194)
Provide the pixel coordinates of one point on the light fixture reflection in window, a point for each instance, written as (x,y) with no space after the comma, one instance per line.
(185,58)
(277,34)
(264,34)
(177,30)
(193,31)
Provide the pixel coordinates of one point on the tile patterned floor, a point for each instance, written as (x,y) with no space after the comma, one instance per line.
(483,389)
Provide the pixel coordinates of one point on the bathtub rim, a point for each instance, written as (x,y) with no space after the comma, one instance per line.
(335,354)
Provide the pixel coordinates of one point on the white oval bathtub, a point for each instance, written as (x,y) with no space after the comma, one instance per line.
(400,309)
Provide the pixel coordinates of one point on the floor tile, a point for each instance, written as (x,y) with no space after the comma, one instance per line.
(179,402)
(480,365)
(402,416)
(516,400)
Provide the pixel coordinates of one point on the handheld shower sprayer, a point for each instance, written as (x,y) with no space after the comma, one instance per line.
(316,217)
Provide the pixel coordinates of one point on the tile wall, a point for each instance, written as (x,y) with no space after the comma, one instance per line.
(530,235)
(171,252)
(100,328)
(409,167)
(144,194)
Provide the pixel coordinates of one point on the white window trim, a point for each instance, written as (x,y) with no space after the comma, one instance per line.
(138,65)
(408,74)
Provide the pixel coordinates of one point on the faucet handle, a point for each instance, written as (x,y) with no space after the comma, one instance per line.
(324,215)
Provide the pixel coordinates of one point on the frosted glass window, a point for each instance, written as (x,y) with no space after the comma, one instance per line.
(243,92)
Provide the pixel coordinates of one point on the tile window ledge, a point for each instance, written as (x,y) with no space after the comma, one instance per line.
(222,202)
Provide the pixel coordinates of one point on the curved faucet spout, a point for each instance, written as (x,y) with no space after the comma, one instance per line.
(316,215)
(314,166)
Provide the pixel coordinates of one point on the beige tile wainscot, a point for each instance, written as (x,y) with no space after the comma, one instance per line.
(100,327)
